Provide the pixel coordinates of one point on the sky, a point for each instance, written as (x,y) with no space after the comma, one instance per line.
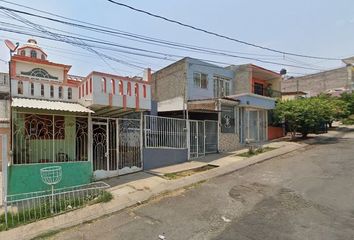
(311,27)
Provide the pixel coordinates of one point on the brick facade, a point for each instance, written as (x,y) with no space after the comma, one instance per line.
(169,82)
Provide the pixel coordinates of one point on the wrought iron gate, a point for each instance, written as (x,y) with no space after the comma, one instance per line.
(116,147)
(130,141)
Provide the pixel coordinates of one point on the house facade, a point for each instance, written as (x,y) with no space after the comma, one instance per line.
(209,96)
(90,126)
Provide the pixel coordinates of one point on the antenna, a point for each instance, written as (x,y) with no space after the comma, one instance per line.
(11,46)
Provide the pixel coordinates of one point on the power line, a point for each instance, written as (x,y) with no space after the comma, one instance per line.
(93,40)
(217,34)
(75,42)
(132,34)
(167,56)
(151,40)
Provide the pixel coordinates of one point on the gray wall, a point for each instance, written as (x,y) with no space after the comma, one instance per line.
(316,83)
(241,81)
(159,157)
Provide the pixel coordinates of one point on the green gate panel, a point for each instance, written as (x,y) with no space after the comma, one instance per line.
(27,178)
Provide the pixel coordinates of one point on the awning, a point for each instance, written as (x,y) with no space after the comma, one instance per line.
(49,105)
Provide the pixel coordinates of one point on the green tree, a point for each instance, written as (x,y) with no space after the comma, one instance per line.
(308,115)
(349,99)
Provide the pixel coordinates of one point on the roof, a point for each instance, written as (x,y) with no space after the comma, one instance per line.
(49,105)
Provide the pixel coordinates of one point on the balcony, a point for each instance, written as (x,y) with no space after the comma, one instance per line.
(265,91)
(106,93)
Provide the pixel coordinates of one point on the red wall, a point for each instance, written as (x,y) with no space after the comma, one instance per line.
(275,132)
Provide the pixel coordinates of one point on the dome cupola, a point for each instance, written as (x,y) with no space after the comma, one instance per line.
(32,50)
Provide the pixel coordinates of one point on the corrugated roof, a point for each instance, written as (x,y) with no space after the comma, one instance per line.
(49,105)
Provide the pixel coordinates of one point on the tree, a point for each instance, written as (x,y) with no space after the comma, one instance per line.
(309,115)
(349,99)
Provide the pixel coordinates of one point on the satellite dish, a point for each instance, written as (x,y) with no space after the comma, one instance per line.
(283,71)
(10,45)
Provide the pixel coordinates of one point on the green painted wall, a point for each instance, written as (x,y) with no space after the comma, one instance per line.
(26,178)
(42,150)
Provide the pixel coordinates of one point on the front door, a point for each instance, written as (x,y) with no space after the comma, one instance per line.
(105,148)
(100,150)
(130,141)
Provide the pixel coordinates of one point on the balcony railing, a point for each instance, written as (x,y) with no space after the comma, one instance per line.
(268,92)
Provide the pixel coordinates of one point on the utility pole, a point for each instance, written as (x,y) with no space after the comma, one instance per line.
(12,49)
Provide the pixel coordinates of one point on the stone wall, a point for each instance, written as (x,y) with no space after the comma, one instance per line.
(229,142)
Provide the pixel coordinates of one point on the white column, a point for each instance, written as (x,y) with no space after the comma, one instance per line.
(188,135)
(89,138)
(219,124)
(4,166)
(141,139)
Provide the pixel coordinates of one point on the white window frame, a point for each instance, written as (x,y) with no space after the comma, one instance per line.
(221,81)
(197,82)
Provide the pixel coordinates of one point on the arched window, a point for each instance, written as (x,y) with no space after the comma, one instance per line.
(51,91)
(103,85)
(32,89)
(43,57)
(136,90)
(90,85)
(129,89)
(60,92)
(87,87)
(79,92)
(83,90)
(70,93)
(20,87)
(33,54)
(113,83)
(121,87)
(42,90)
(23,53)
(144,91)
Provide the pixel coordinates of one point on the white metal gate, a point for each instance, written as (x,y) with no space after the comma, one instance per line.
(130,145)
(203,137)
(197,139)
(116,147)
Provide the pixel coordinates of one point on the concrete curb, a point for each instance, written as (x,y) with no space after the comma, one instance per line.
(136,196)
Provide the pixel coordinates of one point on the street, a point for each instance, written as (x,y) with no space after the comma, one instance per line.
(306,194)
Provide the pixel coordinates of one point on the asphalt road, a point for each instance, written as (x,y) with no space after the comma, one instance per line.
(307,194)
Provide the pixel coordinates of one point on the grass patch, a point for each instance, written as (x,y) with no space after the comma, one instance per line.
(186,173)
(104,197)
(251,153)
(28,212)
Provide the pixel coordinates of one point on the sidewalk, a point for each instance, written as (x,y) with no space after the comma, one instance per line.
(137,188)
